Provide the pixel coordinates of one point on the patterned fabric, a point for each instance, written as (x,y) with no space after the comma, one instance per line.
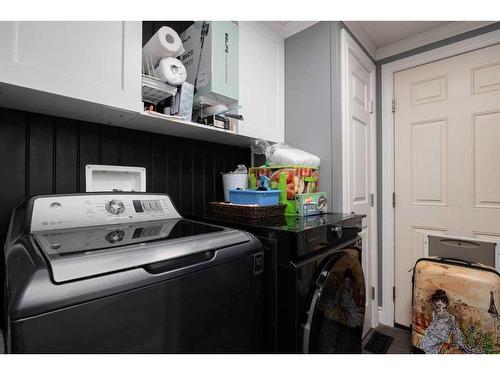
(442,326)
(345,300)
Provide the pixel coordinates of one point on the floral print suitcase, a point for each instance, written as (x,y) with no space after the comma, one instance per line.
(455,307)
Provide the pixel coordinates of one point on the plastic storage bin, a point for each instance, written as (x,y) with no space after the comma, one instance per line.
(261,198)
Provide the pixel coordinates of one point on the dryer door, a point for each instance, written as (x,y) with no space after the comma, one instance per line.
(336,313)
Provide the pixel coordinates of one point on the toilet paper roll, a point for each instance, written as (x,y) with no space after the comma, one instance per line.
(164,43)
(171,71)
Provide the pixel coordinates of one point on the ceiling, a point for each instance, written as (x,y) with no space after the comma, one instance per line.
(383,39)
(383,33)
(284,29)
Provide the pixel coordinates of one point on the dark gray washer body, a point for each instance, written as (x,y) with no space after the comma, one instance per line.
(207,300)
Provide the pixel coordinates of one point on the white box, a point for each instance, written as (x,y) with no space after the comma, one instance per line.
(114,177)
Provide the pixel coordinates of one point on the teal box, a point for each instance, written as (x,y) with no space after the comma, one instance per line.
(218,73)
(311,204)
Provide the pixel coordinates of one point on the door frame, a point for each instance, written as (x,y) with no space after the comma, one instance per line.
(348,43)
(388,183)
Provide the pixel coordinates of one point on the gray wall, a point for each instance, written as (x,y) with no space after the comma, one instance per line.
(313,101)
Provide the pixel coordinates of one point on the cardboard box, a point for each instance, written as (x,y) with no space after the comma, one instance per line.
(311,204)
(216,121)
(218,69)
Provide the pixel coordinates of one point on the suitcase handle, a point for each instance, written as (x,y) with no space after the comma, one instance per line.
(457,260)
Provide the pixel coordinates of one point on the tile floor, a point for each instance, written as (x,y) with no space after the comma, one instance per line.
(401,343)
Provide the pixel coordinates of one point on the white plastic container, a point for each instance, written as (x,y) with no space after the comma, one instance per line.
(233,181)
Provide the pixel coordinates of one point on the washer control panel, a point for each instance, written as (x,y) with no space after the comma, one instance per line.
(73,211)
(149,205)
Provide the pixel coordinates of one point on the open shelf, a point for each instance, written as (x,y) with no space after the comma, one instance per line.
(156,122)
(164,124)
(51,104)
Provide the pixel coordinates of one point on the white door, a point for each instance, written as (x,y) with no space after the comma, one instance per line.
(359,154)
(98,62)
(447,157)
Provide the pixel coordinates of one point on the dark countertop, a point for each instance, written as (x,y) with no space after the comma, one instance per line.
(279,223)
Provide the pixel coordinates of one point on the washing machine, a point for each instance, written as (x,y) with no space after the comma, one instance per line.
(314,282)
(125,273)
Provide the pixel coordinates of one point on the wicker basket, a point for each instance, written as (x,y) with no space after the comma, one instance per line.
(254,212)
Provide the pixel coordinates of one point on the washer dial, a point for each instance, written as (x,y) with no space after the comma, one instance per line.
(115,207)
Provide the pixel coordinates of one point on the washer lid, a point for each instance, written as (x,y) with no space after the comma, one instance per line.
(84,252)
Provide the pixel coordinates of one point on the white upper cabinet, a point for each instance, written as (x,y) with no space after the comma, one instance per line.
(98,62)
(261,85)
(91,71)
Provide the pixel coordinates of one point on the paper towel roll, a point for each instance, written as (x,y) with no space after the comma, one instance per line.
(164,43)
(171,71)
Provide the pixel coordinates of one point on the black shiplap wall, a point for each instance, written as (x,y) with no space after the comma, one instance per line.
(42,154)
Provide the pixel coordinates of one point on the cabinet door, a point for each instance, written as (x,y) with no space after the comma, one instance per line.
(98,62)
(261,73)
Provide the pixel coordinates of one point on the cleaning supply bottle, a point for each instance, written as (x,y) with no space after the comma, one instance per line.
(282,186)
(253,182)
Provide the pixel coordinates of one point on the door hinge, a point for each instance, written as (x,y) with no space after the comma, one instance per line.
(372,200)
(393,199)
(393,105)
(394,293)
(373,293)
(371,106)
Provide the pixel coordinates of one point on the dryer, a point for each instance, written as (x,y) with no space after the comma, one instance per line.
(315,293)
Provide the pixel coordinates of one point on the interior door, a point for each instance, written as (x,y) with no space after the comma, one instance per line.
(447,158)
(360,169)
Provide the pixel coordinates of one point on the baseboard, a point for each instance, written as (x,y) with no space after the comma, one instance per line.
(400,326)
